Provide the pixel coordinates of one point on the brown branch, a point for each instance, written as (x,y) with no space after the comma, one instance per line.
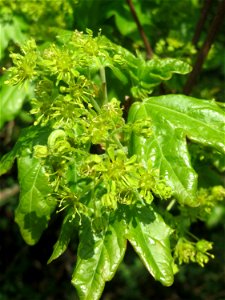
(9,132)
(203,52)
(201,21)
(141,30)
(9,192)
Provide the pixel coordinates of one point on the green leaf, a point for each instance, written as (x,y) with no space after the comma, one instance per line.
(149,235)
(99,255)
(119,74)
(147,75)
(11,101)
(124,19)
(12,30)
(162,69)
(29,137)
(67,230)
(6,162)
(125,25)
(174,119)
(35,205)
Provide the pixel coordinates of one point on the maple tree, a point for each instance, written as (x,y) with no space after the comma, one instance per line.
(141,187)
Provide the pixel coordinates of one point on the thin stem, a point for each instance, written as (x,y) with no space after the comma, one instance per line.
(193,236)
(141,30)
(203,52)
(95,105)
(104,85)
(171,204)
(201,21)
(9,132)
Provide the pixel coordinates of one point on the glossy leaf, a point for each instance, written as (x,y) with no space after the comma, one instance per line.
(147,75)
(35,204)
(99,256)
(67,230)
(162,69)
(174,119)
(149,235)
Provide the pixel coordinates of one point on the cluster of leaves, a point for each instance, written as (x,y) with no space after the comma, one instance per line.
(107,174)
(109,168)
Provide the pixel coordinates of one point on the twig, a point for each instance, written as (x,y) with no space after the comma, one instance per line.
(9,132)
(9,192)
(141,30)
(214,28)
(201,21)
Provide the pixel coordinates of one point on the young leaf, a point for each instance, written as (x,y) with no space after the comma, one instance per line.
(175,118)
(147,75)
(149,235)
(156,70)
(35,206)
(99,255)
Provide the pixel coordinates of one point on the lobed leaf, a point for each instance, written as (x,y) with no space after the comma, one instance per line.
(147,75)
(174,119)
(162,69)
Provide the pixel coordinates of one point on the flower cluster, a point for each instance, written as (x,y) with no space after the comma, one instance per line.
(71,100)
(186,251)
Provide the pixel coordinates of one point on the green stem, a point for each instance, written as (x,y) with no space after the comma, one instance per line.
(171,204)
(193,236)
(95,105)
(104,86)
